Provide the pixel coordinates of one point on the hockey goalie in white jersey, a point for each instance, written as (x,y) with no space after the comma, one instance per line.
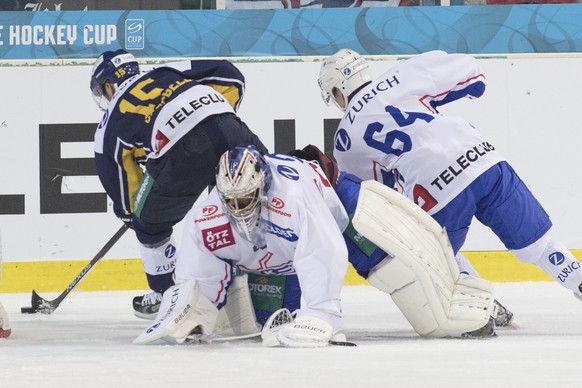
(275,215)
(280,215)
(391,132)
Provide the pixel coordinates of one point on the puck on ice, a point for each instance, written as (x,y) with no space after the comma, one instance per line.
(27,310)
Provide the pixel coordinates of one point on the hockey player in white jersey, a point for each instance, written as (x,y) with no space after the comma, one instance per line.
(392,132)
(300,232)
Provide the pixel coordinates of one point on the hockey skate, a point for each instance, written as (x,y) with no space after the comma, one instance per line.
(147,306)
(504,316)
(486,331)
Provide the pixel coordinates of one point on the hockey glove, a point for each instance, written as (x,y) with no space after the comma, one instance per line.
(126,218)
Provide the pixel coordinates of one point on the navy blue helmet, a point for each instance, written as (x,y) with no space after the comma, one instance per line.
(112,66)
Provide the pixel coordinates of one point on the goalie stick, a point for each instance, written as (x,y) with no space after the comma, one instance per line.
(274,323)
(210,339)
(279,318)
(41,305)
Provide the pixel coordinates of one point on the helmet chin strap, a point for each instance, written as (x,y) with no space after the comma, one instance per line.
(102,101)
(340,97)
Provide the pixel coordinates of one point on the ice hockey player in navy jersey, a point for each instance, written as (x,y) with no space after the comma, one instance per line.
(157,146)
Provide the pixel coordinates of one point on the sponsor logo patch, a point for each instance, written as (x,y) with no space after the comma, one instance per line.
(209,213)
(277,203)
(209,210)
(134,34)
(218,237)
(170,251)
(286,233)
(288,172)
(556,258)
(342,140)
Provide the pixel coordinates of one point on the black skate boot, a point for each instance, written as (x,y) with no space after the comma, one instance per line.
(504,316)
(487,331)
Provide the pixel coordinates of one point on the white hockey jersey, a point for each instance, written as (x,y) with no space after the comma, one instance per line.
(303,220)
(391,131)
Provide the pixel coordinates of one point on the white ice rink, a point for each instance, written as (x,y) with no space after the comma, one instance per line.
(87,343)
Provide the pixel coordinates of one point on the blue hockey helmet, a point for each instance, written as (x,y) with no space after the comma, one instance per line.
(114,67)
(242,179)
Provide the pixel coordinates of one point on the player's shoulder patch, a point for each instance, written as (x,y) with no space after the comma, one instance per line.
(207,213)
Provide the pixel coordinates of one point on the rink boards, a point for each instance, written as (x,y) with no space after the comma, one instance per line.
(55,276)
(55,216)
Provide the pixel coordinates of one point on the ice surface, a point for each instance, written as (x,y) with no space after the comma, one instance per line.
(87,342)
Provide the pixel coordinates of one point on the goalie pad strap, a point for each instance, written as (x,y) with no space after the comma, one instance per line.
(422,276)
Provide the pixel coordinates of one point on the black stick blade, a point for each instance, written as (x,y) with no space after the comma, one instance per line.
(41,305)
(342,343)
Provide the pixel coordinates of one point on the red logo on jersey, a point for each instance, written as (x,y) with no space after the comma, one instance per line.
(277,203)
(161,141)
(218,237)
(209,210)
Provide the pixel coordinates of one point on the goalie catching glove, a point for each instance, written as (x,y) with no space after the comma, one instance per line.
(306,331)
(420,272)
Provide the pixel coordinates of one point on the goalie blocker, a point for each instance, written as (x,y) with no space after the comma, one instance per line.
(185,311)
(420,272)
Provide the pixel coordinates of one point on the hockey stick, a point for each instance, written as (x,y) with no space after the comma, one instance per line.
(40,305)
(278,319)
(208,339)
(275,322)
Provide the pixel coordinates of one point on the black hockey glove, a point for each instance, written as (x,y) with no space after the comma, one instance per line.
(126,218)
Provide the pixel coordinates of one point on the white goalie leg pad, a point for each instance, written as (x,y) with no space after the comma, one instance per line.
(471,304)
(183,310)
(305,332)
(237,317)
(421,273)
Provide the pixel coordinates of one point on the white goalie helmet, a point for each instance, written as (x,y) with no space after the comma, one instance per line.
(242,180)
(346,70)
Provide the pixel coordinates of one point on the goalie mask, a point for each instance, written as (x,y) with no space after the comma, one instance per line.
(345,71)
(114,67)
(242,179)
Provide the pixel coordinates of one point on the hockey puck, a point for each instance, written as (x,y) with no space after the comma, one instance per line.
(28,310)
